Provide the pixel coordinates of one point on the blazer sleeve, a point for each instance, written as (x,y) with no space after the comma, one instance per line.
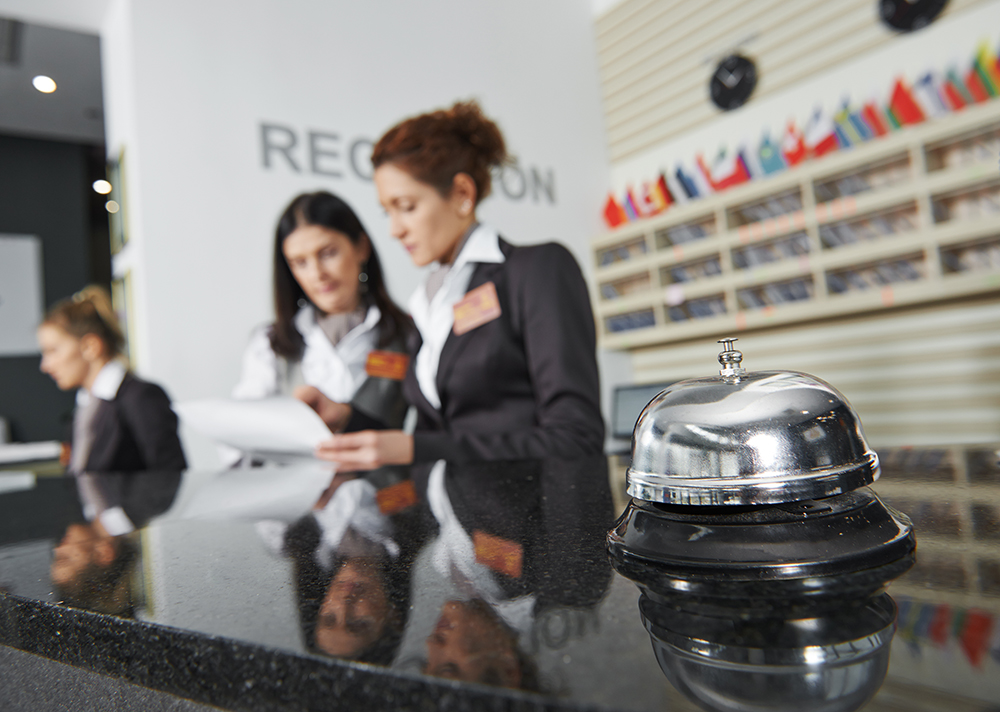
(551,313)
(153,425)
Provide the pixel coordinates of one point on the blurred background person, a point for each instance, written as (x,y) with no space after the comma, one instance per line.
(121,423)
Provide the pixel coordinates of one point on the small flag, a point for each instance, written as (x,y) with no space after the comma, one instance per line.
(975,635)
(821,134)
(771,158)
(793,145)
(903,107)
(657,196)
(974,84)
(875,119)
(940,624)
(631,211)
(664,189)
(687,183)
(847,135)
(986,65)
(954,90)
(649,203)
(614,215)
(726,172)
(860,126)
(926,94)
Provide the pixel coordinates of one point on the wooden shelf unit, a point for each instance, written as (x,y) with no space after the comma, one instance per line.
(913,217)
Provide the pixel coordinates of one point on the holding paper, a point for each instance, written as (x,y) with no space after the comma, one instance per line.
(279,428)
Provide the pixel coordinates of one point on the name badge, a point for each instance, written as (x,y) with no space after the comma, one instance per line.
(477,307)
(387,364)
(397,497)
(497,553)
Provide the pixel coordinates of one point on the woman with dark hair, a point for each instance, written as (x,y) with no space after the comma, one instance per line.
(335,323)
(504,367)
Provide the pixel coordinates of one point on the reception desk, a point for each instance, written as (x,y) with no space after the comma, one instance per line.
(461,587)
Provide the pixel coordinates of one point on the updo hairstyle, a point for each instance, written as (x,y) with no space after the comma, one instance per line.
(437,146)
(89,311)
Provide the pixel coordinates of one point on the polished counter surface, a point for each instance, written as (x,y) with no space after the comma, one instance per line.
(484,586)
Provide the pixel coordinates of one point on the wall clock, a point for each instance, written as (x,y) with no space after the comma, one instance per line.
(733,82)
(909,15)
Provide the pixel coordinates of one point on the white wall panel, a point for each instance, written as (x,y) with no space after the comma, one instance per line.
(189,84)
(656,56)
(926,377)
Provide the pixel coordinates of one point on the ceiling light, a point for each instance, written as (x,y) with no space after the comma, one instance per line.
(44,84)
(112,206)
(102,187)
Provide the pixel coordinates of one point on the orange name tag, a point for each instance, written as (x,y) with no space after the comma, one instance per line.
(477,307)
(387,364)
(396,498)
(497,553)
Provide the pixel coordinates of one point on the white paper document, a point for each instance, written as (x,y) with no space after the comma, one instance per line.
(31,452)
(277,428)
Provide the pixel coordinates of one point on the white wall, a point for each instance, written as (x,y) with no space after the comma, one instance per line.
(189,83)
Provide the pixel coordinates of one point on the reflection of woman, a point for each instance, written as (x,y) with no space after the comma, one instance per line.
(121,423)
(353,589)
(91,569)
(470,642)
(505,365)
(332,310)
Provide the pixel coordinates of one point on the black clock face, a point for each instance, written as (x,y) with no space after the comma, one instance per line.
(909,15)
(733,82)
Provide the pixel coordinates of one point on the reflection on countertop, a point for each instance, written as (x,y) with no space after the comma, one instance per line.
(497,574)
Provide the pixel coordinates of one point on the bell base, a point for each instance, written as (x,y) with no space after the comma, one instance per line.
(849,544)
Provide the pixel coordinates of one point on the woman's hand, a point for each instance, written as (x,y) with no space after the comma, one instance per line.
(367,449)
(334,414)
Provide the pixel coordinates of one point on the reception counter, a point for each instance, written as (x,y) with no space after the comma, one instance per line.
(461,587)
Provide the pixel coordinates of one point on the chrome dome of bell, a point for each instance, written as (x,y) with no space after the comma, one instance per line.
(744,438)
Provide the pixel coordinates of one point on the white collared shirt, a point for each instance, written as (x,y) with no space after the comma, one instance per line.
(105,387)
(109,380)
(338,371)
(434,318)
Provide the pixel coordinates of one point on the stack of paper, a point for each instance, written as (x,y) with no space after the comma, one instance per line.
(30,452)
(282,429)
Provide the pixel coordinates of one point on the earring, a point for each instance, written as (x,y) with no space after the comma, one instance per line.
(363,278)
(301,303)
(466,207)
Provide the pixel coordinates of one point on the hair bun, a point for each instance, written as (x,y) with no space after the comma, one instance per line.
(89,311)
(436,146)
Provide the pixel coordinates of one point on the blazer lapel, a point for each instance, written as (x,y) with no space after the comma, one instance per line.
(453,346)
(104,441)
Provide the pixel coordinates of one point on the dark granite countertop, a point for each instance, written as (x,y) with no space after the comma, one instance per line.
(476,587)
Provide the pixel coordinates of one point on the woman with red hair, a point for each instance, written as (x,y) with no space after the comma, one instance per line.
(504,366)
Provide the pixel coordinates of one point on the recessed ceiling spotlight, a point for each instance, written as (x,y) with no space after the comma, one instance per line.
(102,187)
(44,84)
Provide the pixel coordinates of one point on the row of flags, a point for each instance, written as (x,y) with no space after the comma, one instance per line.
(932,95)
(975,631)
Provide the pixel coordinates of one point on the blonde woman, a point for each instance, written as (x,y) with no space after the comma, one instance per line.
(121,423)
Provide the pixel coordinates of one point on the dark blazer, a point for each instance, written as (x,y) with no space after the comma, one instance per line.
(524,385)
(137,431)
